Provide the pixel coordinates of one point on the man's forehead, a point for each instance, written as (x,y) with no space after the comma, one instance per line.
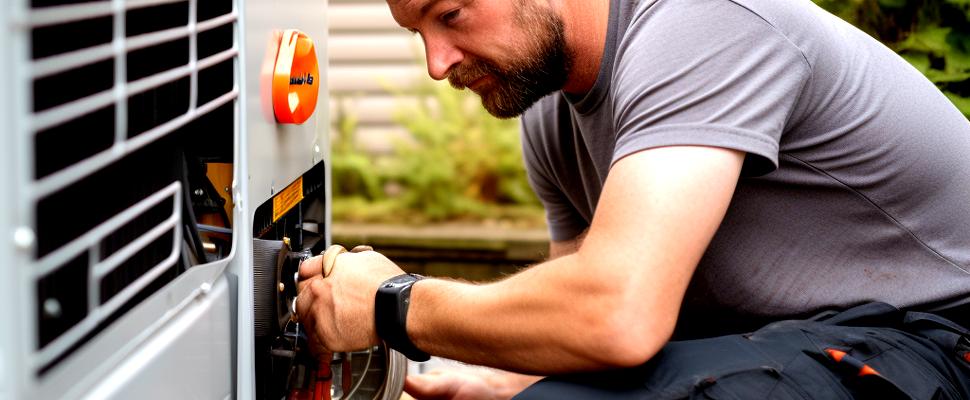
(409,4)
(408,12)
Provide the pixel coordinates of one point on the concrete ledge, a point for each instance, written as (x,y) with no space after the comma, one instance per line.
(473,252)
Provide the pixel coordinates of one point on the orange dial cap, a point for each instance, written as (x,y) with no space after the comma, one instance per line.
(296,79)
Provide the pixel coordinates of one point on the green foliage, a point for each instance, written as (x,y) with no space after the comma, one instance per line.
(933,35)
(461,158)
(460,163)
(352,169)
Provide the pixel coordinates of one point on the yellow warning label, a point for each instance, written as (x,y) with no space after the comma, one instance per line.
(289,197)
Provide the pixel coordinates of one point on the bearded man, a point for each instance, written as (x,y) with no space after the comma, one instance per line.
(746,199)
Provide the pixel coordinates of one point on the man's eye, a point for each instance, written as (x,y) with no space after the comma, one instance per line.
(450,16)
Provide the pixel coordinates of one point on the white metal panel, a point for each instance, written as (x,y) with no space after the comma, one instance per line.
(278,154)
(10,356)
(18,210)
(270,156)
(190,358)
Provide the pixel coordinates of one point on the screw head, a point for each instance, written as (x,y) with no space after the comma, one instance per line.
(281,286)
(23,238)
(52,308)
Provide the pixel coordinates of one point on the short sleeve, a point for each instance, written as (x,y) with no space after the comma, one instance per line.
(708,73)
(540,129)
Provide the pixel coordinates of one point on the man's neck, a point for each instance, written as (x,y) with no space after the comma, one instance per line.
(586,25)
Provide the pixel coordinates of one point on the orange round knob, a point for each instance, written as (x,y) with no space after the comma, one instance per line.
(296,79)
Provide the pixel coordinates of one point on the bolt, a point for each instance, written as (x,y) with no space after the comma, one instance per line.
(52,308)
(205,287)
(198,192)
(23,238)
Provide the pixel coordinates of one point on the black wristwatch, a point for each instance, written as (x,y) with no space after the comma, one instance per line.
(391,315)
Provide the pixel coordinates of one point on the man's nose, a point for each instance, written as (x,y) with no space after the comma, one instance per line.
(442,55)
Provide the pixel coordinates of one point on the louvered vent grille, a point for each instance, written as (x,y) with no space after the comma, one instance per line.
(117,90)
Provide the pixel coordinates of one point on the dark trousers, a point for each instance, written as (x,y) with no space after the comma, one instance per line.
(872,351)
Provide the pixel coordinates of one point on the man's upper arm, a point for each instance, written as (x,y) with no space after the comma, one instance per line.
(658,212)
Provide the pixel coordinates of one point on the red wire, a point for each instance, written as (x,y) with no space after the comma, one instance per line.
(324,380)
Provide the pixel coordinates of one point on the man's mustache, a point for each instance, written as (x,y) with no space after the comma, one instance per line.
(464,74)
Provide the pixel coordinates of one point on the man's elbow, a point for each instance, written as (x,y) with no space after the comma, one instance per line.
(629,342)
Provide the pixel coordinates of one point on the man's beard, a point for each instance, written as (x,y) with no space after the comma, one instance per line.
(517,86)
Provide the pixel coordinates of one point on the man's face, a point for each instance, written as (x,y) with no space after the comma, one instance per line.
(509,52)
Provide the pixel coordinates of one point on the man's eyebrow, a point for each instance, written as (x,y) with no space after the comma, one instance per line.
(422,12)
(427,6)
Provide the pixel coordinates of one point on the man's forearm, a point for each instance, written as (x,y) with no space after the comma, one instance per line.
(551,318)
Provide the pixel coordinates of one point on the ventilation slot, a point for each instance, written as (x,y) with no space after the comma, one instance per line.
(103,195)
(211,132)
(151,19)
(135,228)
(209,9)
(136,266)
(215,40)
(157,106)
(48,3)
(215,81)
(160,58)
(63,145)
(73,84)
(51,40)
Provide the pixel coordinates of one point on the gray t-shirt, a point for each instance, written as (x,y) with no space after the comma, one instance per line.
(856,184)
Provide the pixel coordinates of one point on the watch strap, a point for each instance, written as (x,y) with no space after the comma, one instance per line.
(391,313)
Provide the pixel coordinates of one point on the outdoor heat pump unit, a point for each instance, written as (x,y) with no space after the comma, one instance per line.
(164,168)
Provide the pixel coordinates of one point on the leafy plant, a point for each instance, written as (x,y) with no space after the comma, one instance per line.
(933,35)
(459,163)
(352,169)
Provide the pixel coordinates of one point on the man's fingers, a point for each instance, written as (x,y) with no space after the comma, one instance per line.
(306,311)
(361,248)
(311,267)
(330,259)
(304,300)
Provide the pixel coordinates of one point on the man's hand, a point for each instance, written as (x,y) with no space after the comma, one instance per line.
(338,310)
(467,384)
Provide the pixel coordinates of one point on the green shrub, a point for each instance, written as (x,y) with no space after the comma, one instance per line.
(460,163)
(933,35)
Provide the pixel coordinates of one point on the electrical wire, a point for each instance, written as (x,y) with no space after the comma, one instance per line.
(370,355)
